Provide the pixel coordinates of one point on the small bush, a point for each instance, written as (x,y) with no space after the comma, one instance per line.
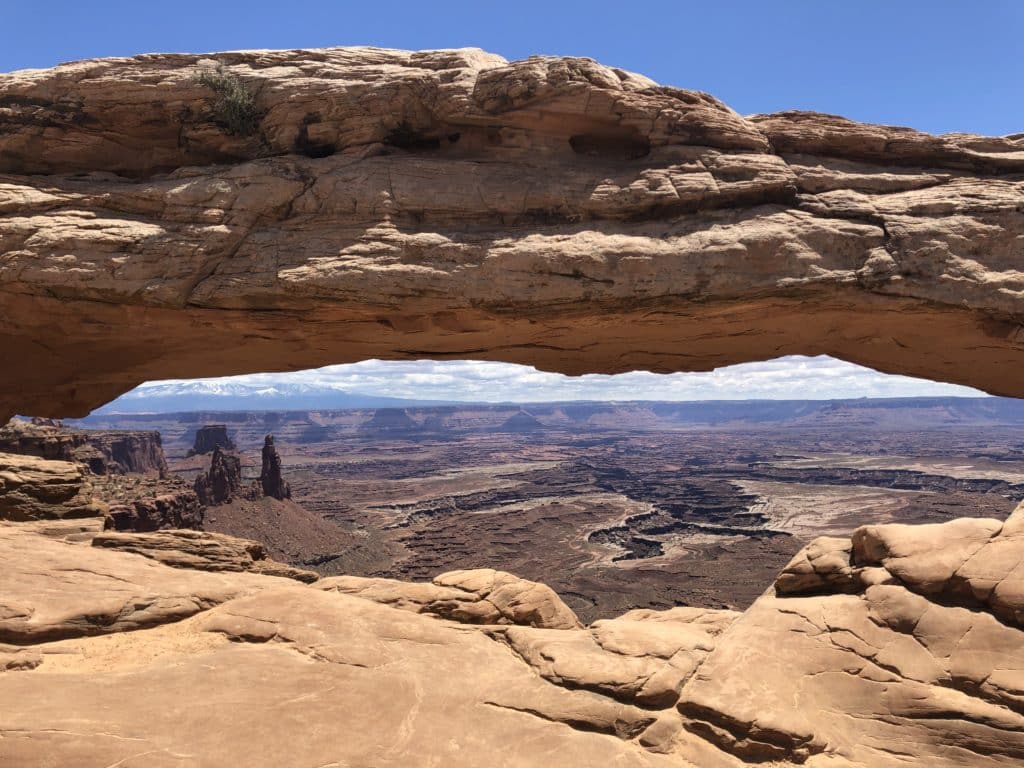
(235,105)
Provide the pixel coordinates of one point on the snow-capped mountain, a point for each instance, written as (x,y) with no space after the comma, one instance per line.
(230,394)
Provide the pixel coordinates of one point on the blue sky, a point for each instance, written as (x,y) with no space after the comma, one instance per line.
(938,66)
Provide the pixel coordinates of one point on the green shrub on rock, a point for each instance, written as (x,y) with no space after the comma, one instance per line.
(235,104)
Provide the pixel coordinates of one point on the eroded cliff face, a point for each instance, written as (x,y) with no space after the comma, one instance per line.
(554,212)
(104,452)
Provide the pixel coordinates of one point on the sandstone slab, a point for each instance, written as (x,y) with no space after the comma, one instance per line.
(643,657)
(477,596)
(203,551)
(880,676)
(58,588)
(901,646)
(351,681)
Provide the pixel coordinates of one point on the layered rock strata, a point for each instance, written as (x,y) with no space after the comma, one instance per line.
(552,211)
(157,510)
(202,550)
(102,451)
(40,489)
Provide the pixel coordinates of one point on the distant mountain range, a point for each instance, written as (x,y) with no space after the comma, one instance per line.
(867,411)
(226,397)
(187,396)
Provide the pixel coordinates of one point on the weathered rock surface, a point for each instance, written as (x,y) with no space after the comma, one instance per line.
(39,489)
(130,452)
(353,682)
(554,212)
(643,657)
(476,596)
(202,550)
(973,562)
(154,508)
(895,671)
(58,588)
(33,488)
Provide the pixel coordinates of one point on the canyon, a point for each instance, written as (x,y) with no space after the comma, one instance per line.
(615,506)
(908,633)
(555,212)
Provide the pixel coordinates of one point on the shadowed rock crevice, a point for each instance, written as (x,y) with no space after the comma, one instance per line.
(623,730)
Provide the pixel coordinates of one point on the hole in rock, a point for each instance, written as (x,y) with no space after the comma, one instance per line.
(610,146)
(406,136)
(309,146)
(625,491)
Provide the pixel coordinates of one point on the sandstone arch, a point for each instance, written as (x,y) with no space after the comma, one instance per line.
(555,212)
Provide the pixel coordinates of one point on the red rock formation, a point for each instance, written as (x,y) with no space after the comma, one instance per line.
(271,483)
(522,421)
(223,481)
(102,451)
(32,488)
(130,452)
(921,664)
(202,550)
(554,212)
(210,437)
(119,475)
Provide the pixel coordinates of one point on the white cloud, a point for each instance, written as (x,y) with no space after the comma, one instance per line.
(792,378)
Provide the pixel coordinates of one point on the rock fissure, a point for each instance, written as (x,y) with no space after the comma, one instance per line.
(621,729)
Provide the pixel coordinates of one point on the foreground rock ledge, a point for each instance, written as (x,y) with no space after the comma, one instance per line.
(899,647)
(450,204)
